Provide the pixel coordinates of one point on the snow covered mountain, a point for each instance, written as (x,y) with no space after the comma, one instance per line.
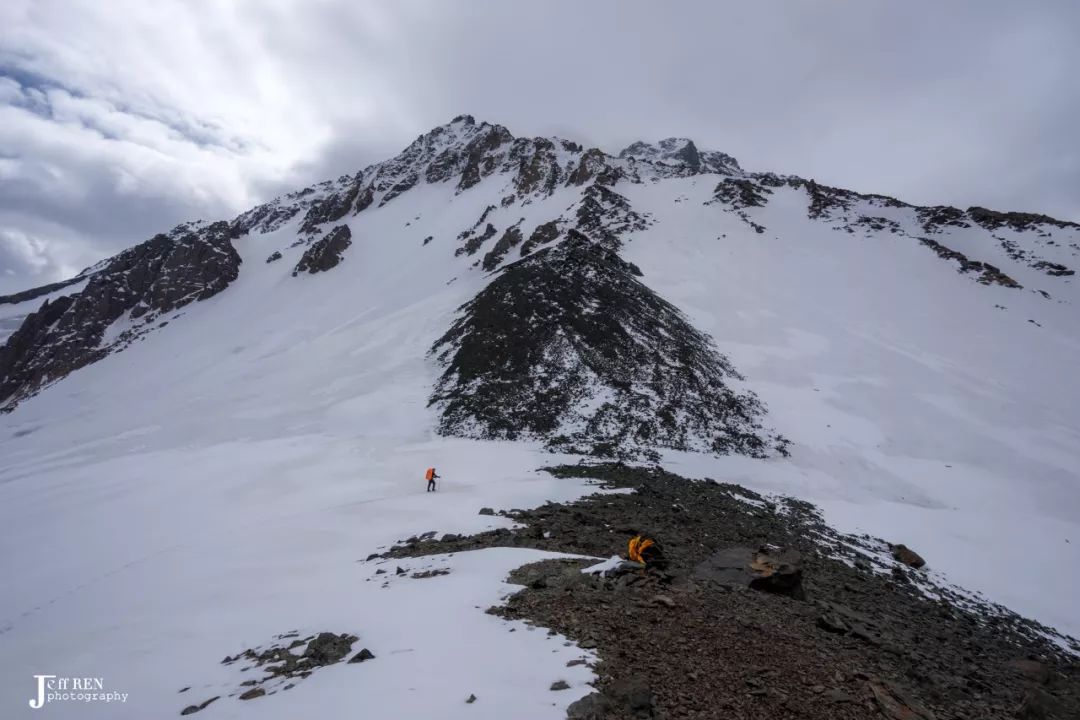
(253,400)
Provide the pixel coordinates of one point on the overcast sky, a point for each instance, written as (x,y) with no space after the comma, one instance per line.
(121,118)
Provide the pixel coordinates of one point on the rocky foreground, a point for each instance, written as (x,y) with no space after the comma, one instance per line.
(845,628)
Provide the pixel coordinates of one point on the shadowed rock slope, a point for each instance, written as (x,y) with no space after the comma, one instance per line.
(158,276)
(570,347)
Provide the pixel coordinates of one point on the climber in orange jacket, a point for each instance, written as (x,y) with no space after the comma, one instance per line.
(645,550)
(431,477)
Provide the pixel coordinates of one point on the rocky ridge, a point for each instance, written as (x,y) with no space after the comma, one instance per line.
(463,154)
(192,262)
(866,636)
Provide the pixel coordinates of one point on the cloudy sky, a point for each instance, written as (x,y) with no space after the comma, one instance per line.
(121,118)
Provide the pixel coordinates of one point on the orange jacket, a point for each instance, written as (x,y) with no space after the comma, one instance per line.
(638,545)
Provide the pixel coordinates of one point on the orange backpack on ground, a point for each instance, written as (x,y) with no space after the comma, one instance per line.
(430,474)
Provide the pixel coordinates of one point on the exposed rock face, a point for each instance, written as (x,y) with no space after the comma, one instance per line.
(741,193)
(542,235)
(326,252)
(334,206)
(682,157)
(510,239)
(939,216)
(606,216)
(163,274)
(568,346)
(988,274)
(992,220)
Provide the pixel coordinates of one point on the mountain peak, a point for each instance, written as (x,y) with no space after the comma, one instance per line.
(681,151)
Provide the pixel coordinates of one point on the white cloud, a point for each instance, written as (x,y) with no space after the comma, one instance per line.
(120,119)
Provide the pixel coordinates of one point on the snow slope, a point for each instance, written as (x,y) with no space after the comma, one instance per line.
(216,483)
(919,411)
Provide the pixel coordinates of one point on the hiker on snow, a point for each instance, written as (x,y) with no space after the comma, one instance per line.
(431,477)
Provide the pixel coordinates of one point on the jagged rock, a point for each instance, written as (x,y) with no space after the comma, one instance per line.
(1054,269)
(606,217)
(939,216)
(326,252)
(191,709)
(988,273)
(542,235)
(328,648)
(473,242)
(571,323)
(276,255)
(741,193)
(333,206)
(906,555)
(510,238)
(992,220)
(252,694)
(486,511)
(191,263)
(681,157)
(471,699)
(361,656)
(560,685)
(478,153)
(538,166)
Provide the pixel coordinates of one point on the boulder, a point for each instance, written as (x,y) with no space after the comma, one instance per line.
(776,571)
(906,555)
(328,648)
(361,656)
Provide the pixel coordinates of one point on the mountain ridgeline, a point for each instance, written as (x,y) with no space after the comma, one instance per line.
(564,340)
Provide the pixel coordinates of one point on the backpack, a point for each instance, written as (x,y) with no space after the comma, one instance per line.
(430,474)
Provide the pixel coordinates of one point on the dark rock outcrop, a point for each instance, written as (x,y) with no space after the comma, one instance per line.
(163,274)
(326,252)
(988,274)
(474,241)
(510,239)
(333,207)
(606,216)
(542,235)
(568,346)
(992,220)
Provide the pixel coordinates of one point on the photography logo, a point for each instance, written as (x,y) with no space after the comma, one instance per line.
(54,688)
